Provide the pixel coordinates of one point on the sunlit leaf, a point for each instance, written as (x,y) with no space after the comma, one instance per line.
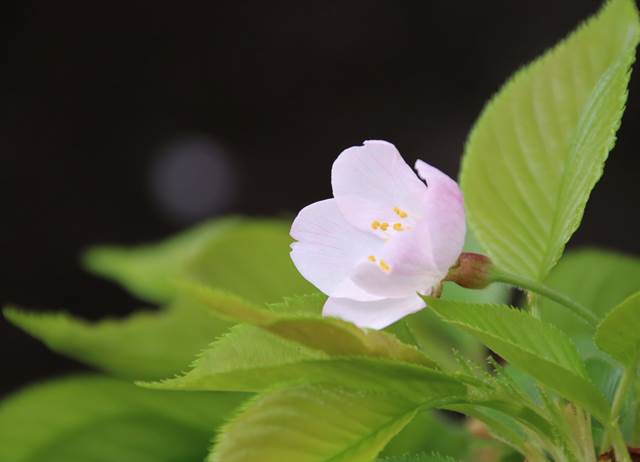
(97,419)
(539,146)
(333,336)
(252,359)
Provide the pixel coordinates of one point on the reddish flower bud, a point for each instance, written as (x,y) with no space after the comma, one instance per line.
(472,270)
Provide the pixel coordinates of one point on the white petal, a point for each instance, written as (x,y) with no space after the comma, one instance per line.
(404,266)
(444,213)
(329,248)
(372,180)
(437,181)
(375,314)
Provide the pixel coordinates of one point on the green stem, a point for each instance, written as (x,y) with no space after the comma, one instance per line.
(533,286)
(635,438)
(533,305)
(619,446)
(621,393)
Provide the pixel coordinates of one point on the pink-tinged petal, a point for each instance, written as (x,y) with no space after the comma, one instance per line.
(444,214)
(403,267)
(438,183)
(375,314)
(329,248)
(373,183)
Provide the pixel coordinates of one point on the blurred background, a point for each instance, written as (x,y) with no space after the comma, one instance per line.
(126,122)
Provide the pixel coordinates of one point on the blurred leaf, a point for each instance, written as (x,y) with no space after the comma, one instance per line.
(333,336)
(604,375)
(598,279)
(97,419)
(501,426)
(421,457)
(251,261)
(429,432)
(147,345)
(539,146)
(249,257)
(537,348)
(619,334)
(442,342)
(315,424)
(512,413)
(309,305)
(148,271)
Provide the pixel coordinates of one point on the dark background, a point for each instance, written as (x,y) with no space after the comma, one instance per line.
(125,122)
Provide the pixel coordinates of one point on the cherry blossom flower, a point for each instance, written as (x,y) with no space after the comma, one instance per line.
(384,238)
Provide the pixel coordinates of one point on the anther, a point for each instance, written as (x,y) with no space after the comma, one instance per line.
(375,224)
(384,266)
(384,226)
(398,227)
(401,213)
(372,259)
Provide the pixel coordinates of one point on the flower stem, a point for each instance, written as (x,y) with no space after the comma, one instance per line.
(546,291)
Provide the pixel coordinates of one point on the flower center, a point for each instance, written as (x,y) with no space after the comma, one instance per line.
(384,226)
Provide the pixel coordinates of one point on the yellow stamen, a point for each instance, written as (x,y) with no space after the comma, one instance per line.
(372,259)
(401,213)
(375,224)
(384,226)
(398,227)
(384,266)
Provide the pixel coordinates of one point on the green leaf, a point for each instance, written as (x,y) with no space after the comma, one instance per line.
(333,336)
(421,457)
(429,431)
(309,305)
(315,424)
(148,271)
(442,342)
(251,261)
(251,359)
(501,426)
(147,345)
(97,419)
(605,375)
(537,348)
(598,279)
(439,340)
(539,146)
(247,257)
(618,333)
